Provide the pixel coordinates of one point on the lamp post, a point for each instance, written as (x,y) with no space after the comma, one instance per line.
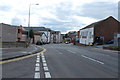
(29,23)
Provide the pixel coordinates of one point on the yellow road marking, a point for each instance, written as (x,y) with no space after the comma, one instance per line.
(20,58)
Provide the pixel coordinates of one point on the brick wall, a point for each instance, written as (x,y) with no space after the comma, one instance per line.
(9,33)
(106,29)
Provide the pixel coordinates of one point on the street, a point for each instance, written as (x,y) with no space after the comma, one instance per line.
(65,61)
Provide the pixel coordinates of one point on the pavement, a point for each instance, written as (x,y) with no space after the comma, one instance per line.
(65,61)
(8,53)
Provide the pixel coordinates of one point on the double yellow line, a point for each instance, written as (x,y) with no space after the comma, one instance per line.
(20,58)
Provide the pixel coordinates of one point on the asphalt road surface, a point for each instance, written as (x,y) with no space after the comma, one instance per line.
(65,61)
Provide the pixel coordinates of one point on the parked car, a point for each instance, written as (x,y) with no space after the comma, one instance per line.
(39,42)
(110,42)
(66,42)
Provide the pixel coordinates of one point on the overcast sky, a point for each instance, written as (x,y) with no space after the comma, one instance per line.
(62,15)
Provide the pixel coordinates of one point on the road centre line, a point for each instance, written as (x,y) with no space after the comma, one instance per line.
(92,59)
(45,68)
(37,69)
(37,64)
(44,64)
(47,75)
(71,51)
(43,56)
(43,60)
(37,75)
(59,52)
(37,60)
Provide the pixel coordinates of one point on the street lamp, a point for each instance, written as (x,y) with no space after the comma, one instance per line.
(29,23)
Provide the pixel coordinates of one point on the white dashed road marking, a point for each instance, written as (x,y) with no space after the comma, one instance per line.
(37,64)
(37,69)
(92,59)
(47,75)
(37,75)
(45,68)
(37,60)
(43,60)
(44,64)
(71,51)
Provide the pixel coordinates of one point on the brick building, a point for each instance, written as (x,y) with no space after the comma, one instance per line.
(9,33)
(100,31)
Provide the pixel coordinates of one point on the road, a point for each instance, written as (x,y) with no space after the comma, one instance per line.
(65,61)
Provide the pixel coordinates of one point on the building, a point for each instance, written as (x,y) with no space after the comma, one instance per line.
(72,36)
(55,36)
(99,32)
(9,33)
(45,31)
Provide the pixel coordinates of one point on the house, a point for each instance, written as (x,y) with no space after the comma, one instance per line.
(72,36)
(45,31)
(24,37)
(99,32)
(55,36)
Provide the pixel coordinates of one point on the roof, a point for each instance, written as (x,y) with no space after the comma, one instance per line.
(35,33)
(99,22)
(9,25)
(38,28)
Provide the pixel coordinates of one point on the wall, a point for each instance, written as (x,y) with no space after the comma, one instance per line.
(24,38)
(36,38)
(107,29)
(9,33)
(86,36)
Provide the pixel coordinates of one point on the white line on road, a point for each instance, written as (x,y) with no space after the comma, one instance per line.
(44,64)
(37,64)
(45,68)
(47,75)
(92,59)
(43,60)
(37,75)
(38,55)
(60,53)
(43,56)
(37,69)
(37,60)
(71,51)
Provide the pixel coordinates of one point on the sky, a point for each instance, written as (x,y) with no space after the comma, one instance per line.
(60,15)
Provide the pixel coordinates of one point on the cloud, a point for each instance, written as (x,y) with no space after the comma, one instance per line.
(99,10)
(16,21)
(5,8)
(63,15)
